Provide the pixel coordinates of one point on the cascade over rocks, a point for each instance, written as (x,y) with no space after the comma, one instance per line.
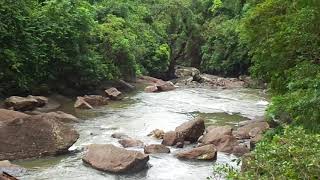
(34,136)
(109,158)
(207,152)
(156,148)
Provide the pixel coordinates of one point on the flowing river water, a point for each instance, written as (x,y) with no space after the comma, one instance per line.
(139,114)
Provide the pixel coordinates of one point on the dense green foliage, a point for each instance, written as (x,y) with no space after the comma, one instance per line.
(77,44)
(59,44)
(291,154)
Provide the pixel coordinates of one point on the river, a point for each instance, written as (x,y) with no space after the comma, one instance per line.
(139,114)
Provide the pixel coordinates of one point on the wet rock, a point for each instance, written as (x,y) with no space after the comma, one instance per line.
(82,104)
(223,143)
(157,133)
(191,130)
(255,140)
(61,116)
(184,81)
(12,169)
(251,130)
(6,176)
(129,142)
(240,150)
(25,103)
(149,80)
(35,136)
(120,136)
(8,115)
(113,159)
(221,137)
(171,138)
(167,86)
(151,89)
(127,85)
(217,81)
(156,148)
(207,152)
(113,94)
(182,72)
(179,144)
(219,130)
(96,100)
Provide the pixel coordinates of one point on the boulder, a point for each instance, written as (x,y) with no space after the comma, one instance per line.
(191,130)
(96,100)
(167,86)
(151,89)
(25,103)
(157,133)
(129,142)
(82,104)
(251,130)
(221,137)
(12,169)
(34,136)
(217,81)
(156,148)
(149,80)
(255,140)
(182,72)
(120,136)
(109,158)
(207,152)
(180,145)
(171,138)
(225,143)
(184,81)
(113,94)
(8,115)
(219,129)
(61,116)
(240,150)
(6,176)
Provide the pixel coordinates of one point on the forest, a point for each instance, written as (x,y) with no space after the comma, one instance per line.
(53,45)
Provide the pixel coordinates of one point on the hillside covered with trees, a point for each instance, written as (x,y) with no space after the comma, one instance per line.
(51,45)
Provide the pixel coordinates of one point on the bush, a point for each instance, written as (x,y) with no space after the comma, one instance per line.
(294,154)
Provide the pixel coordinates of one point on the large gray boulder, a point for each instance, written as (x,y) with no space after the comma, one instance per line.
(109,158)
(34,136)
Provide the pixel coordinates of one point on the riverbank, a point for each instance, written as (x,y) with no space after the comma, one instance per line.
(138,115)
